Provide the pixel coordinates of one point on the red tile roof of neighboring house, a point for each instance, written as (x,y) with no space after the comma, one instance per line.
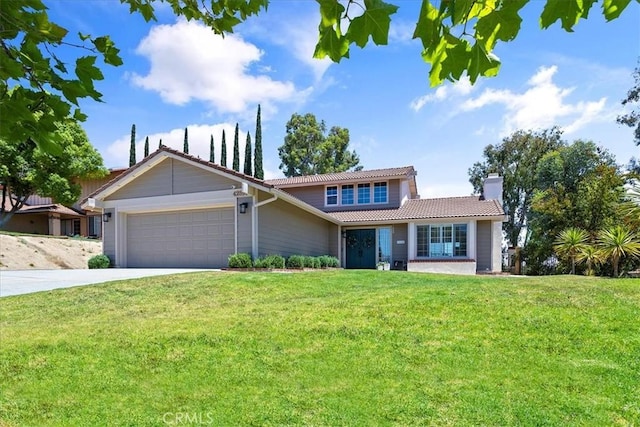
(53,208)
(343,176)
(448,207)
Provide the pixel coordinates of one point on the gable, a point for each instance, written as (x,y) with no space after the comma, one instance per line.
(171,176)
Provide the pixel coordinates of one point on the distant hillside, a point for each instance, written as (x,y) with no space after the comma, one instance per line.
(28,252)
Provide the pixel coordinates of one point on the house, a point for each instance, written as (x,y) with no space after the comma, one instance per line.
(41,215)
(176,210)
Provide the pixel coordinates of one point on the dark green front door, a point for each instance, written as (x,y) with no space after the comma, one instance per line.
(361,248)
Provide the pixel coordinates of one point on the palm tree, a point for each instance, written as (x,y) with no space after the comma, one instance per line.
(617,242)
(592,256)
(569,244)
(631,206)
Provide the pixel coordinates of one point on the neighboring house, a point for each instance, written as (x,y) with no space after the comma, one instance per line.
(175,210)
(40,215)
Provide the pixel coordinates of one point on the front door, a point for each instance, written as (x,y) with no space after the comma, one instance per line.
(361,248)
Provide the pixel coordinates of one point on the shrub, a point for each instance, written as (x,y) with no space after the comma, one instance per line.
(295,261)
(270,261)
(311,262)
(99,261)
(327,261)
(242,260)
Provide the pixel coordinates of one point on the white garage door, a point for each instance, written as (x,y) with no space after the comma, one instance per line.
(186,239)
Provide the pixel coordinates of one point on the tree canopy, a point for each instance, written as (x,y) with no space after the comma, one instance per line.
(26,169)
(516,160)
(38,89)
(308,149)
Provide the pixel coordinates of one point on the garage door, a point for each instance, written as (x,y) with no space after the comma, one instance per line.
(186,239)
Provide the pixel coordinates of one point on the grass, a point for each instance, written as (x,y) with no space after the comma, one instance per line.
(324,348)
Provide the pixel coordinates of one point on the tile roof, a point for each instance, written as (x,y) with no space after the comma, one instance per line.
(343,176)
(448,207)
(53,208)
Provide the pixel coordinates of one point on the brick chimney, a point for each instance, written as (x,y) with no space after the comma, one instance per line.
(493,187)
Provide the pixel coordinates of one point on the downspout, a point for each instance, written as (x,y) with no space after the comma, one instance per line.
(254,216)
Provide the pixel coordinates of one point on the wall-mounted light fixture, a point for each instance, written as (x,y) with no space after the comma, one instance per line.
(243,207)
(106,216)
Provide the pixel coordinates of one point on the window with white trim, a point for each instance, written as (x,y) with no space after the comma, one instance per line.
(380,193)
(441,240)
(364,193)
(331,195)
(347,195)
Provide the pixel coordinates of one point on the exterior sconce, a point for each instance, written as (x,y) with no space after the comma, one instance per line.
(243,207)
(106,216)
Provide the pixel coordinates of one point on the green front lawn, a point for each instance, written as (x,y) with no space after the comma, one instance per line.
(324,348)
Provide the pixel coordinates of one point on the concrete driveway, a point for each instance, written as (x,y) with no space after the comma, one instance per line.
(17,282)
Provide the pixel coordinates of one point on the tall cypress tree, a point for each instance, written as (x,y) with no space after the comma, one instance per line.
(257,158)
(212,154)
(185,148)
(247,155)
(146,146)
(132,148)
(160,144)
(223,154)
(236,151)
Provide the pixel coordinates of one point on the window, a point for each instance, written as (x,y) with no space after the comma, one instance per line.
(460,247)
(423,241)
(347,195)
(332,195)
(361,194)
(364,193)
(384,245)
(380,192)
(441,241)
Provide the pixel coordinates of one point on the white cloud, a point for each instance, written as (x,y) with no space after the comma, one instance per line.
(190,62)
(117,153)
(543,104)
(298,37)
(401,31)
(462,87)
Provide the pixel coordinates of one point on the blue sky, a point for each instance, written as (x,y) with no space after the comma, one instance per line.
(178,74)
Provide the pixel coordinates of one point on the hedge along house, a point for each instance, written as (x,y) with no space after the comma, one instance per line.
(175,210)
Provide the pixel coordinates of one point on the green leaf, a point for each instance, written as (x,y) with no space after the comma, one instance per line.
(330,12)
(373,22)
(568,12)
(482,64)
(429,26)
(332,45)
(79,115)
(459,10)
(501,24)
(108,49)
(613,8)
(86,70)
